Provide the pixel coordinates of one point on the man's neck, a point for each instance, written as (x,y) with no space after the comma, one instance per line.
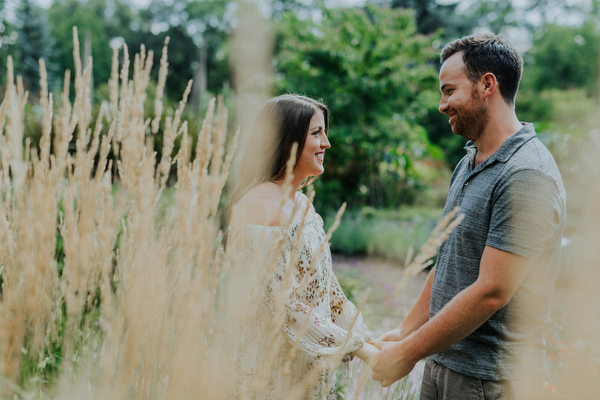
(495,134)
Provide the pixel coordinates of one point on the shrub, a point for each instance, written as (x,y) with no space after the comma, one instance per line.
(384,233)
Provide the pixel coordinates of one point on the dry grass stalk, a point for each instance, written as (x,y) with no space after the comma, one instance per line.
(15,305)
(136,347)
(160,87)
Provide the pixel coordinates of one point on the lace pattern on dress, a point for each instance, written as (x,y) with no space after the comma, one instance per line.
(300,291)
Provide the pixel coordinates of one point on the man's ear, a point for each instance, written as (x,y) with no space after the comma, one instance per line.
(489,84)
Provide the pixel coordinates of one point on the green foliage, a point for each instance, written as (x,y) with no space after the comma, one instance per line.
(8,38)
(91,19)
(564,112)
(195,28)
(565,57)
(372,69)
(33,42)
(563,120)
(384,233)
(37,372)
(431,16)
(496,15)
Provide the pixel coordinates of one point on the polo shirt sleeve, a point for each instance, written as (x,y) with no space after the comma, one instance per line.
(525,214)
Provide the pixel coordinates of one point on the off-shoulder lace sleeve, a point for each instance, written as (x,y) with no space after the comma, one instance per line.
(293,299)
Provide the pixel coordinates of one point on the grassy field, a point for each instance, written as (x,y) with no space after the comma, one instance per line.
(114,284)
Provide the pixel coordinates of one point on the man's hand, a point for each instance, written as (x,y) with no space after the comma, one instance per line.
(392,363)
(394,335)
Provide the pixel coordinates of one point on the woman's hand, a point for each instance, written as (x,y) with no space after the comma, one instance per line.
(366,353)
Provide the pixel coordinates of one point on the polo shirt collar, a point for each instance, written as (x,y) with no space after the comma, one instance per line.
(508,148)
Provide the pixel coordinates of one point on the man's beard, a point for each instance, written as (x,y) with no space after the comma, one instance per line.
(472,119)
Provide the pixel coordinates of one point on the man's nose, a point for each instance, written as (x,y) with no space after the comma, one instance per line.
(443,105)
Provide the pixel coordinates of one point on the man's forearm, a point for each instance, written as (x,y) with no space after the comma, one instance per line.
(461,316)
(500,274)
(419,313)
(458,319)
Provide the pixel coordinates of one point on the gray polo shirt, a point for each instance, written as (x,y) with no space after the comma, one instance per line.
(514,201)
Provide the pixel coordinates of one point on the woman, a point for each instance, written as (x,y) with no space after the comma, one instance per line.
(318,322)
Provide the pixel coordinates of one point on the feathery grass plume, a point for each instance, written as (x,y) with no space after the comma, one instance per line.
(46,103)
(117,265)
(122,112)
(429,249)
(17,266)
(204,143)
(160,87)
(113,86)
(171,132)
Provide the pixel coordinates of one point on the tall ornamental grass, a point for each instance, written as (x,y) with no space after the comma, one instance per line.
(106,292)
(134,308)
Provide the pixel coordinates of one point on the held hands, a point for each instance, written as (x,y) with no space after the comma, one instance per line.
(366,353)
(387,357)
(391,363)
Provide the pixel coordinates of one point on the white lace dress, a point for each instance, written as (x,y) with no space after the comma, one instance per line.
(318,322)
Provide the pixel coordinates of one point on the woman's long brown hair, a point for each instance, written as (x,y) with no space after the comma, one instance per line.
(283,121)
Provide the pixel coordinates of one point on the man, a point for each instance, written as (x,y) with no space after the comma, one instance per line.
(484,305)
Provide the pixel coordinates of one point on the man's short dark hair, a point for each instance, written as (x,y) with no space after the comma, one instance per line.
(489,53)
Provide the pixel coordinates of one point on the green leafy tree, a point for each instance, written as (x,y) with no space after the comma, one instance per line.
(431,16)
(204,26)
(565,57)
(8,37)
(373,70)
(181,56)
(91,17)
(303,8)
(495,15)
(33,42)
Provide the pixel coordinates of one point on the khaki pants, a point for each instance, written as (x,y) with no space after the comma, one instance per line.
(441,383)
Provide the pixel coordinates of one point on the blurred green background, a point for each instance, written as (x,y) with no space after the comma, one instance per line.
(375,64)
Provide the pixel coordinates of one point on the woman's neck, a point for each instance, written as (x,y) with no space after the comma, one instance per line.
(296,184)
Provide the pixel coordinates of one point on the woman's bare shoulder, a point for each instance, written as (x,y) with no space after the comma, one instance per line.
(259,206)
(306,203)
